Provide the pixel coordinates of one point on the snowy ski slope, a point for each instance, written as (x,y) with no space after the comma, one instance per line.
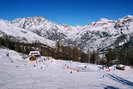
(19,73)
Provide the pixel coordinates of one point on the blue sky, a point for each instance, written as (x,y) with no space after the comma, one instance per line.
(71,12)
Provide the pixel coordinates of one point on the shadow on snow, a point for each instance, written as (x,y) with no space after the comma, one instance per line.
(110,87)
(120,80)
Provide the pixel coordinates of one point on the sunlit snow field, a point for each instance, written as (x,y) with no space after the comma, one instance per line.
(19,73)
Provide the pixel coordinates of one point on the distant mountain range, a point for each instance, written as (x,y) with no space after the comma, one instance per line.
(99,35)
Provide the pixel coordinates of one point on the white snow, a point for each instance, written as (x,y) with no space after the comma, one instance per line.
(22,35)
(58,74)
(100,34)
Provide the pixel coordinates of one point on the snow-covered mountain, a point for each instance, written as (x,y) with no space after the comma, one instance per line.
(42,27)
(22,35)
(105,33)
(99,35)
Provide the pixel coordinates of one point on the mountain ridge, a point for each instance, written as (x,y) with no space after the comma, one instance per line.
(98,35)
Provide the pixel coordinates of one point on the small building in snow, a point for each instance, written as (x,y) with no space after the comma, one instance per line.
(34,53)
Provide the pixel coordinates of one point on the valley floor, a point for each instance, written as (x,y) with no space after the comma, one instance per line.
(19,73)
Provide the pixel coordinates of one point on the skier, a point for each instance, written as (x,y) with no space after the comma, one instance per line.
(7,54)
(71,72)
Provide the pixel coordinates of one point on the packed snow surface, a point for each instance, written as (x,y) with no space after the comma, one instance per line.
(17,72)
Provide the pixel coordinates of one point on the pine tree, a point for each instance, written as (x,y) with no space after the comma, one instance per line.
(110,55)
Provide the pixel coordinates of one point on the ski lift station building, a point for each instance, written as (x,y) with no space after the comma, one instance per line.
(34,53)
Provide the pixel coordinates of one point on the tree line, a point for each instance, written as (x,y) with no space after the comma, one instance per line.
(119,57)
(59,52)
(70,52)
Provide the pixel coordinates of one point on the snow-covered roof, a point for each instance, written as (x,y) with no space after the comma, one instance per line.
(33,53)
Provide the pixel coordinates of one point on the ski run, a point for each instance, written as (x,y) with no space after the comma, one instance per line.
(17,72)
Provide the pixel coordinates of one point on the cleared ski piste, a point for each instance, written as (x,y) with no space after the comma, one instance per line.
(19,73)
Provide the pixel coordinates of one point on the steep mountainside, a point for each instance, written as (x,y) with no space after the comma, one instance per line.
(21,35)
(106,33)
(99,35)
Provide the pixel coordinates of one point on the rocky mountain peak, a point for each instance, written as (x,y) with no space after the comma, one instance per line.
(102,34)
